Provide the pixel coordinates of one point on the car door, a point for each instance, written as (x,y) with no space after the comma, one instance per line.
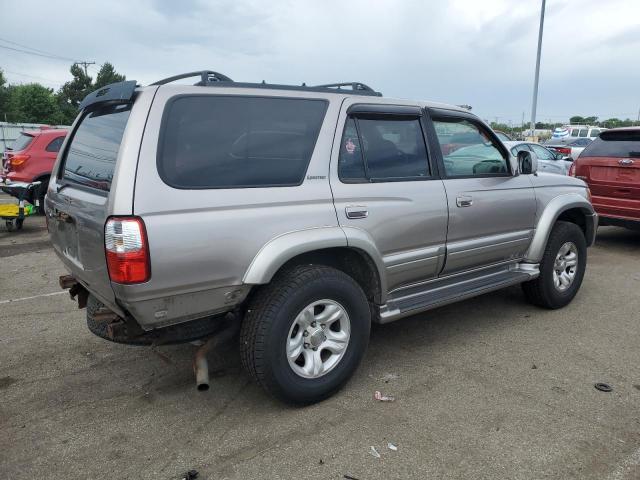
(547,161)
(386,189)
(491,208)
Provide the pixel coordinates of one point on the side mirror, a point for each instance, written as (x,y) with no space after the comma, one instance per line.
(527,162)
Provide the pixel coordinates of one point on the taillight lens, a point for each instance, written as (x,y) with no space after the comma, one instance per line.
(572,170)
(564,150)
(16,161)
(127,250)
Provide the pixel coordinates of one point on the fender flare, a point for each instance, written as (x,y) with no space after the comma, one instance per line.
(279,250)
(549,216)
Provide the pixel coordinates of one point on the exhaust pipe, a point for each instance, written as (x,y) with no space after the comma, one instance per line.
(200,363)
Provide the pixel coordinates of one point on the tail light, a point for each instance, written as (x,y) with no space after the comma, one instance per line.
(572,170)
(127,250)
(564,150)
(16,161)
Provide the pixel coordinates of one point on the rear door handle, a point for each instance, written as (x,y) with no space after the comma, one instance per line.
(356,211)
(464,201)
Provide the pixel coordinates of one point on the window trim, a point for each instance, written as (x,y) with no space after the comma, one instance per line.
(433,139)
(163,128)
(391,112)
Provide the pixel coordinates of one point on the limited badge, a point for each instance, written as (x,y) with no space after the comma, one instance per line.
(350,146)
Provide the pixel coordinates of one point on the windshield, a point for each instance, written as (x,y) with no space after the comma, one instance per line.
(22,142)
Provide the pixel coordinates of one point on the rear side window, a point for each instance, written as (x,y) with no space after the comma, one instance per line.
(22,142)
(233,142)
(91,156)
(583,132)
(383,149)
(55,144)
(614,144)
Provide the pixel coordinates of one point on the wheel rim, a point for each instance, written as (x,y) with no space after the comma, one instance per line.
(318,338)
(565,266)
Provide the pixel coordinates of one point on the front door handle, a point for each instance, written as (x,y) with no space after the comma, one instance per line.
(464,201)
(356,211)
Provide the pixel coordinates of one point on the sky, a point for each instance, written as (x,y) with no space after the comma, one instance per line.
(480,53)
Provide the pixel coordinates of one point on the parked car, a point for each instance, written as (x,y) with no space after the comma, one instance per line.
(548,160)
(568,133)
(572,149)
(503,136)
(611,167)
(31,157)
(299,215)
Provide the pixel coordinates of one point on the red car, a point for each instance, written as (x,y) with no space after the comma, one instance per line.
(611,167)
(31,157)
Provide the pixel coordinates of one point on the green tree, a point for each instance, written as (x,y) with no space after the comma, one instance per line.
(71,93)
(4,96)
(577,119)
(33,103)
(107,75)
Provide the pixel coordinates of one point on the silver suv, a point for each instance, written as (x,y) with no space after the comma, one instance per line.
(298,215)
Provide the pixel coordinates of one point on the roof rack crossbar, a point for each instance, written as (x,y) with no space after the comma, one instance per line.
(206,77)
(354,86)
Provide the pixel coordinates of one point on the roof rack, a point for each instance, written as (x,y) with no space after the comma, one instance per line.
(209,78)
(206,77)
(355,86)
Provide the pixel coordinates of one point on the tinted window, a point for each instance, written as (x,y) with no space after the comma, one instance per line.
(482,157)
(614,144)
(594,133)
(55,144)
(542,153)
(91,156)
(229,142)
(350,161)
(574,132)
(22,142)
(583,132)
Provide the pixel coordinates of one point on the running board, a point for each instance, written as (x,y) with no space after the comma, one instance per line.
(451,289)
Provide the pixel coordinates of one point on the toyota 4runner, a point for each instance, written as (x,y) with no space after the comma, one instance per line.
(298,215)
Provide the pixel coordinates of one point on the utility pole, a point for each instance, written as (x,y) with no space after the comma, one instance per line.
(85,64)
(535,83)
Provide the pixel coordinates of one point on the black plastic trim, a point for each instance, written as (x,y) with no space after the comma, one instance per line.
(375,110)
(121,92)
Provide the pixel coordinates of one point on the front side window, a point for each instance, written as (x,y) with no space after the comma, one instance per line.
(383,148)
(238,141)
(478,156)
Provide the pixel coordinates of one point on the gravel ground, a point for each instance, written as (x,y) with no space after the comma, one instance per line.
(488,388)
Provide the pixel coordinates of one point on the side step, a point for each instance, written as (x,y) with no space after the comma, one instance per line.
(435,293)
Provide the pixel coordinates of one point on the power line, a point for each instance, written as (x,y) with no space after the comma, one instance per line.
(37,50)
(52,82)
(54,57)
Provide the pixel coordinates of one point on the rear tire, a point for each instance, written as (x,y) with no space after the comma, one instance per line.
(313,308)
(559,279)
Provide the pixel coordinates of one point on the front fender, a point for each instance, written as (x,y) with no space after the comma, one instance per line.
(283,248)
(551,212)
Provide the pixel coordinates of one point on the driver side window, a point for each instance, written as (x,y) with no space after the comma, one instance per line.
(467,149)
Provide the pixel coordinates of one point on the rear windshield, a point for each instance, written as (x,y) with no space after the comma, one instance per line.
(91,156)
(22,142)
(614,144)
(232,142)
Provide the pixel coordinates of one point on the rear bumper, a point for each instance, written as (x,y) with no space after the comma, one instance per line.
(617,208)
(620,222)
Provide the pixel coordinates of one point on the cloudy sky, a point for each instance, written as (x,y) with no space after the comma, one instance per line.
(479,52)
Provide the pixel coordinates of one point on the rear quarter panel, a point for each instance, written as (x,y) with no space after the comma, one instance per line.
(204,240)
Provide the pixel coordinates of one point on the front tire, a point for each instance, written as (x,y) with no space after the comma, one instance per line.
(562,268)
(305,333)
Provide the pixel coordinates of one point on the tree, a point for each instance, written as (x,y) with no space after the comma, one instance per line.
(107,75)
(576,119)
(4,95)
(71,93)
(33,103)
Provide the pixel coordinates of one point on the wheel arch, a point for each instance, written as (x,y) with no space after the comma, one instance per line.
(570,207)
(323,246)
